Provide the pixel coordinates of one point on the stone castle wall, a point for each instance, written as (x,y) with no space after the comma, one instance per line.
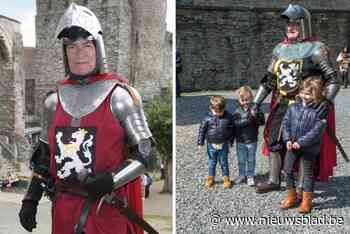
(13,148)
(12,77)
(225,44)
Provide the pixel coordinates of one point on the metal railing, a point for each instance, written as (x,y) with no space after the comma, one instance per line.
(32,135)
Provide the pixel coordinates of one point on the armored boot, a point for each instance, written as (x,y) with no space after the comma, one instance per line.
(227,182)
(209,182)
(274,180)
(306,204)
(291,199)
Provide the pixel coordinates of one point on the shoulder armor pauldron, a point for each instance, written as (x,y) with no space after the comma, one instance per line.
(49,108)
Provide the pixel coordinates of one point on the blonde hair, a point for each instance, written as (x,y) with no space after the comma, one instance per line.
(217,103)
(314,86)
(244,91)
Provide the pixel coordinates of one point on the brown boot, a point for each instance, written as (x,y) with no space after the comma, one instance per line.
(209,182)
(291,199)
(306,204)
(227,182)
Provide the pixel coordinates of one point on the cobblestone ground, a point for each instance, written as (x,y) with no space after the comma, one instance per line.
(200,210)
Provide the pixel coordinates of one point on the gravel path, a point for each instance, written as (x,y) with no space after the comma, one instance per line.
(214,210)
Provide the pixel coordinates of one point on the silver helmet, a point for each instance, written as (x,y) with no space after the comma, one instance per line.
(81,17)
(300,15)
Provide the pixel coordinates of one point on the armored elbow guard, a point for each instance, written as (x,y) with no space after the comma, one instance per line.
(143,152)
(331,91)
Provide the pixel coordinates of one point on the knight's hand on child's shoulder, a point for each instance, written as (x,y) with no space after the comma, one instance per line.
(254,109)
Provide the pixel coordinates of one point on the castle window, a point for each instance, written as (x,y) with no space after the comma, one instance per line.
(30,96)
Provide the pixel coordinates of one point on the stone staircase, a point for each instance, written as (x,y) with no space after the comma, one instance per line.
(14,155)
(7,167)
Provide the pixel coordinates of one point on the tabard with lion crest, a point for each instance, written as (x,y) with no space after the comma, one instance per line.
(291,63)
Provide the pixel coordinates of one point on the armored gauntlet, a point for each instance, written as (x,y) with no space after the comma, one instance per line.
(40,162)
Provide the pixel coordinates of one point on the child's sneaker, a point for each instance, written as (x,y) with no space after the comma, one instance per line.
(227,182)
(209,182)
(250,181)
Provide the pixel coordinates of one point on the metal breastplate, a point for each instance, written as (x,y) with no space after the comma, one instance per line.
(80,100)
(290,64)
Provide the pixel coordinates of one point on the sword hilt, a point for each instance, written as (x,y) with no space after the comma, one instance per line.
(100,203)
(110,199)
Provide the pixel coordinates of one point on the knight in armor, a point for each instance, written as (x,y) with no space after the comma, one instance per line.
(88,125)
(297,57)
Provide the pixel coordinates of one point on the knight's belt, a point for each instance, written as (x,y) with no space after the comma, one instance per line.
(75,189)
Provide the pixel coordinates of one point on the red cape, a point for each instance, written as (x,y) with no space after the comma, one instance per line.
(328,155)
(134,195)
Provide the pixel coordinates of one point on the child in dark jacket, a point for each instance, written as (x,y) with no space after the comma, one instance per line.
(217,129)
(247,127)
(302,131)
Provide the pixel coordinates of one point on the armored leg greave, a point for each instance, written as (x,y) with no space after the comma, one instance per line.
(275,167)
(300,174)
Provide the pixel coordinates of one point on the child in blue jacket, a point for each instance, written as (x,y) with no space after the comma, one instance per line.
(218,130)
(302,130)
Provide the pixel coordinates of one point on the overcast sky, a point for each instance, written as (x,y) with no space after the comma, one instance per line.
(24,11)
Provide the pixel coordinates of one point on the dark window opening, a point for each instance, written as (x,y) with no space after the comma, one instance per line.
(30,96)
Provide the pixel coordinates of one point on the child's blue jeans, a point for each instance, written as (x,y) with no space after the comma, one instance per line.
(216,155)
(246,158)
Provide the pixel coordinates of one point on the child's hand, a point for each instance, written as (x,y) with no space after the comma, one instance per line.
(296,145)
(200,149)
(289,145)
